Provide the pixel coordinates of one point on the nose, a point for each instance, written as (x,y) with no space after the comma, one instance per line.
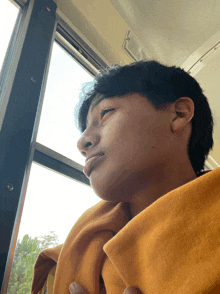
(87,141)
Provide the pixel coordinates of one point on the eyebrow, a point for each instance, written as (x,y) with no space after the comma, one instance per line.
(96,100)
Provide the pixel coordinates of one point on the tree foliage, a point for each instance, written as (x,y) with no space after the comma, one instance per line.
(25,256)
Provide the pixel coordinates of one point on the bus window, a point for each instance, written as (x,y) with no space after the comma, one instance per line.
(52,205)
(53,202)
(57,128)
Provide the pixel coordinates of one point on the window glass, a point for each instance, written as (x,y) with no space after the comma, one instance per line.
(8,15)
(52,205)
(57,128)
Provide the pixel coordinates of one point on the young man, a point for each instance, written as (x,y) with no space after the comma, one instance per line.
(153,127)
(146,132)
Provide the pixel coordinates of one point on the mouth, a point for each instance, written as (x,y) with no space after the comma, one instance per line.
(91,163)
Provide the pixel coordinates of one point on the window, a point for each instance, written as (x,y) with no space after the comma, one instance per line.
(53,202)
(57,129)
(52,205)
(8,15)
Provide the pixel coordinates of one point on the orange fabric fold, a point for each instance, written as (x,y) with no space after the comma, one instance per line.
(45,261)
(173,246)
(80,258)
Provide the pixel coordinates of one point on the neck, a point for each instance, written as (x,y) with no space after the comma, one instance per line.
(161,183)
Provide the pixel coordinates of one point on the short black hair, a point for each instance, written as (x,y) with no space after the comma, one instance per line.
(161,85)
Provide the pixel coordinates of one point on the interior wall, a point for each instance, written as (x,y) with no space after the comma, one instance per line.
(100,23)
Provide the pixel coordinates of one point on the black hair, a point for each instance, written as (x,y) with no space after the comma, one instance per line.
(161,85)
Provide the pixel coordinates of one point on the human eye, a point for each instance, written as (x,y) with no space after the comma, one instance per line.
(104,111)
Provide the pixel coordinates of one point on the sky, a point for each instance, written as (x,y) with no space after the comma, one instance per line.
(53,202)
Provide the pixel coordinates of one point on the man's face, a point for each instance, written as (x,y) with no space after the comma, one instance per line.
(135,139)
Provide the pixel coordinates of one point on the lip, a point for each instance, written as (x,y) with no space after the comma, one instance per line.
(91,163)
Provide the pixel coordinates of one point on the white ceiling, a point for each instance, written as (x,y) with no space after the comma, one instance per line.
(171,30)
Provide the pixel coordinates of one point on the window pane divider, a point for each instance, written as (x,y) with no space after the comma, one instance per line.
(21,3)
(59,163)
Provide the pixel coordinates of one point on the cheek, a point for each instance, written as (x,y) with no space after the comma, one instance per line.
(161,138)
(126,137)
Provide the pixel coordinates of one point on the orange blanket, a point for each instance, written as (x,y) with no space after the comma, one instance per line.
(173,246)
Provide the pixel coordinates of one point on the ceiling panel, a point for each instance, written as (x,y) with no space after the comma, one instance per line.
(171,30)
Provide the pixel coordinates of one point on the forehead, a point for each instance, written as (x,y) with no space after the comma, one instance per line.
(96,100)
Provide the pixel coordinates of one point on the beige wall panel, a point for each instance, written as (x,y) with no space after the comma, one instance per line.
(101,24)
(207,73)
(215,153)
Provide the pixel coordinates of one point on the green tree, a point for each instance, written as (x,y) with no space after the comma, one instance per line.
(25,256)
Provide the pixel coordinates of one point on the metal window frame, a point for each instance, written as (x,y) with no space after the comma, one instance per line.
(59,163)
(21,3)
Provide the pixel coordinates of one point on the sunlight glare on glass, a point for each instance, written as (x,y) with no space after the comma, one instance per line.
(53,203)
(8,15)
(57,128)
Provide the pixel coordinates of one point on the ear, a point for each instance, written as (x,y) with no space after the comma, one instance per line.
(182,113)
